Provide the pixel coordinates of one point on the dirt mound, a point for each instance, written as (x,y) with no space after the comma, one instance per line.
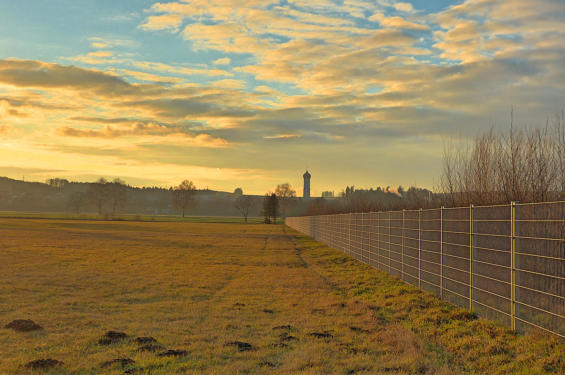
(241,346)
(151,348)
(112,337)
(134,370)
(23,325)
(286,337)
(145,340)
(122,362)
(43,364)
(359,329)
(321,335)
(173,353)
(287,327)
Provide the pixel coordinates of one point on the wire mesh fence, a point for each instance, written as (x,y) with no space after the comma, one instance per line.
(505,262)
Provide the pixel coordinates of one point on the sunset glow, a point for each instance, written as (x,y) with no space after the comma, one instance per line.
(251,93)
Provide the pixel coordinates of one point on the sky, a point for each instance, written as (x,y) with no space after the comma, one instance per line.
(251,93)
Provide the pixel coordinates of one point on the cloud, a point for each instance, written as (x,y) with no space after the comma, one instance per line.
(100,54)
(283,136)
(183,70)
(37,74)
(143,130)
(169,22)
(403,7)
(397,22)
(223,61)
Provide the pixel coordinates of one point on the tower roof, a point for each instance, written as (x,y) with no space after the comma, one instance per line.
(306,175)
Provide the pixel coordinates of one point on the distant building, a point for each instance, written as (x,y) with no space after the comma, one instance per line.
(306,192)
(327,194)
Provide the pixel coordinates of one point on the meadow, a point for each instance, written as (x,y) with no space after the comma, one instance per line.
(228,298)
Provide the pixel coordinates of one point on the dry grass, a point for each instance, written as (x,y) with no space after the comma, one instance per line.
(197,287)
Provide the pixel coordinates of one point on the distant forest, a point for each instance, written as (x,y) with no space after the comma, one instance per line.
(60,195)
(116,197)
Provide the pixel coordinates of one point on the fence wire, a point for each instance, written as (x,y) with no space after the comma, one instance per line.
(505,262)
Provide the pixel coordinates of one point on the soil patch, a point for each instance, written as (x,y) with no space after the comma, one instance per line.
(122,362)
(286,337)
(321,335)
(145,340)
(287,327)
(359,329)
(241,346)
(43,364)
(23,325)
(173,353)
(112,337)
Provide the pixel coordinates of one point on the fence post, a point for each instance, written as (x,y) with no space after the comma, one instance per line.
(513,264)
(389,242)
(419,248)
(369,240)
(379,240)
(441,253)
(362,237)
(402,248)
(471,219)
(349,235)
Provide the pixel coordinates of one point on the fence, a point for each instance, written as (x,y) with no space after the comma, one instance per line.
(505,262)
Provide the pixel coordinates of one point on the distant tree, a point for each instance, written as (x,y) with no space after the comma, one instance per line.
(183,196)
(243,204)
(58,183)
(266,209)
(77,201)
(274,207)
(238,191)
(285,194)
(270,208)
(97,194)
(117,193)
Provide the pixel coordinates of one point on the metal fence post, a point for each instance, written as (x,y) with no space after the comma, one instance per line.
(419,248)
(513,264)
(402,248)
(471,218)
(441,253)
(389,242)
(349,235)
(379,240)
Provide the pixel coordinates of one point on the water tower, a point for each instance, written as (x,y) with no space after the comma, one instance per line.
(306,192)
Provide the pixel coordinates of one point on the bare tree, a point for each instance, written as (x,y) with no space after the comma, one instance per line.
(243,204)
(183,196)
(285,193)
(525,165)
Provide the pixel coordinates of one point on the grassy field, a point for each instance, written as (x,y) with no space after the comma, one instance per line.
(128,217)
(238,299)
